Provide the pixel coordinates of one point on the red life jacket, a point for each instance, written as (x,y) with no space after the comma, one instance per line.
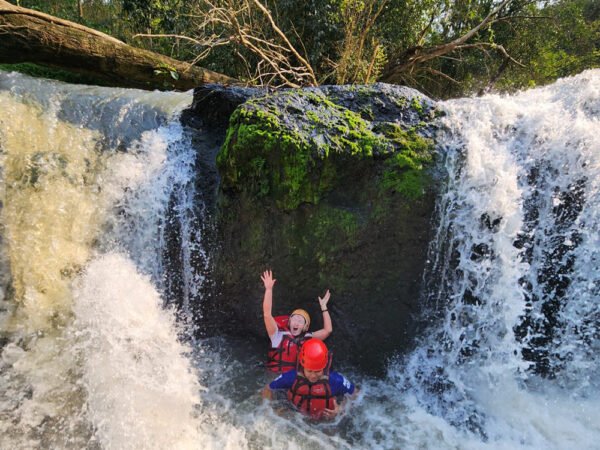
(283,358)
(311,398)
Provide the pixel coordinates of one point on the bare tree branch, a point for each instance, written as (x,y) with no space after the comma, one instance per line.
(500,48)
(412,58)
(443,75)
(495,78)
(249,25)
(419,40)
(306,64)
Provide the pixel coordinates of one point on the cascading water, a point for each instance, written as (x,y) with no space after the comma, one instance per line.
(515,357)
(92,357)
(87,175)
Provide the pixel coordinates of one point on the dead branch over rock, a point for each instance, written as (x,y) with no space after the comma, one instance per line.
(250,29)
(34,37)
(401,68)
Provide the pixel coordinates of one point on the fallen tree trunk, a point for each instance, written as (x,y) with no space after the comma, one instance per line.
(34,37)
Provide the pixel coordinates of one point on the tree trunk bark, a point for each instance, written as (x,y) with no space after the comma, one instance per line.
(34,37)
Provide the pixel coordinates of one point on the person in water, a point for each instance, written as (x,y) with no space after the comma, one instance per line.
(287,337)
(313,389)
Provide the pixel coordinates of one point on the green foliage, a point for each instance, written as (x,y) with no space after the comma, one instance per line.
(156,16)
(550,39)
(159,17)
(565,43)
(351,41)
(164,69)
(102,15)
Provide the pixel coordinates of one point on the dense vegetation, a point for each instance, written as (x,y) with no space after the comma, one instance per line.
(299,42)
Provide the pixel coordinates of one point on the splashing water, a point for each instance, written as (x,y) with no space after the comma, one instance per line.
(91,358)
(514,358)
(132,361)
(98,364)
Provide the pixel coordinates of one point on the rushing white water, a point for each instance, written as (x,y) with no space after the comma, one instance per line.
(515,358)
(140,388)
(92,358)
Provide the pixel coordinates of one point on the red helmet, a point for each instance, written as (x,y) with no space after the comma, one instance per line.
(313,355)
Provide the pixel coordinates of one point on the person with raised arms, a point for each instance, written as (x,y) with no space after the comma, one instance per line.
(288,333)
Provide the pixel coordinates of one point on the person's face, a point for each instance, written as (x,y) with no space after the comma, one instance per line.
(313,375)
(297,324)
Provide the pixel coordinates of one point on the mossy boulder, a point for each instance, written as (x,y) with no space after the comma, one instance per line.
(290,146)
(332,188)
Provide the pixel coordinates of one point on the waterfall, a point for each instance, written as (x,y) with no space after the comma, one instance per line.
(101,257)
(518,264)
(91,357)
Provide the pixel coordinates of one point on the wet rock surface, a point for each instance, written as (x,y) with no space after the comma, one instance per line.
(331,188)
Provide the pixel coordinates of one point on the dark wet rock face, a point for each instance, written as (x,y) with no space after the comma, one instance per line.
(332,188)
(213,104)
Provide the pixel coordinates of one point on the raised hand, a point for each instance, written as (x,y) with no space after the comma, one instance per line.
(323,301)
(267,279)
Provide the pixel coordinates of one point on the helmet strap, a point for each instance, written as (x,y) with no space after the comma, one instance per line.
(329,360)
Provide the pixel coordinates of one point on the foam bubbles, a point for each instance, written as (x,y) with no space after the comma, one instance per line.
(141,390)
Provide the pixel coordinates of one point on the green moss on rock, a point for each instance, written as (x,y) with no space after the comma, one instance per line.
(291,145)
(405,170)
(267,154)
